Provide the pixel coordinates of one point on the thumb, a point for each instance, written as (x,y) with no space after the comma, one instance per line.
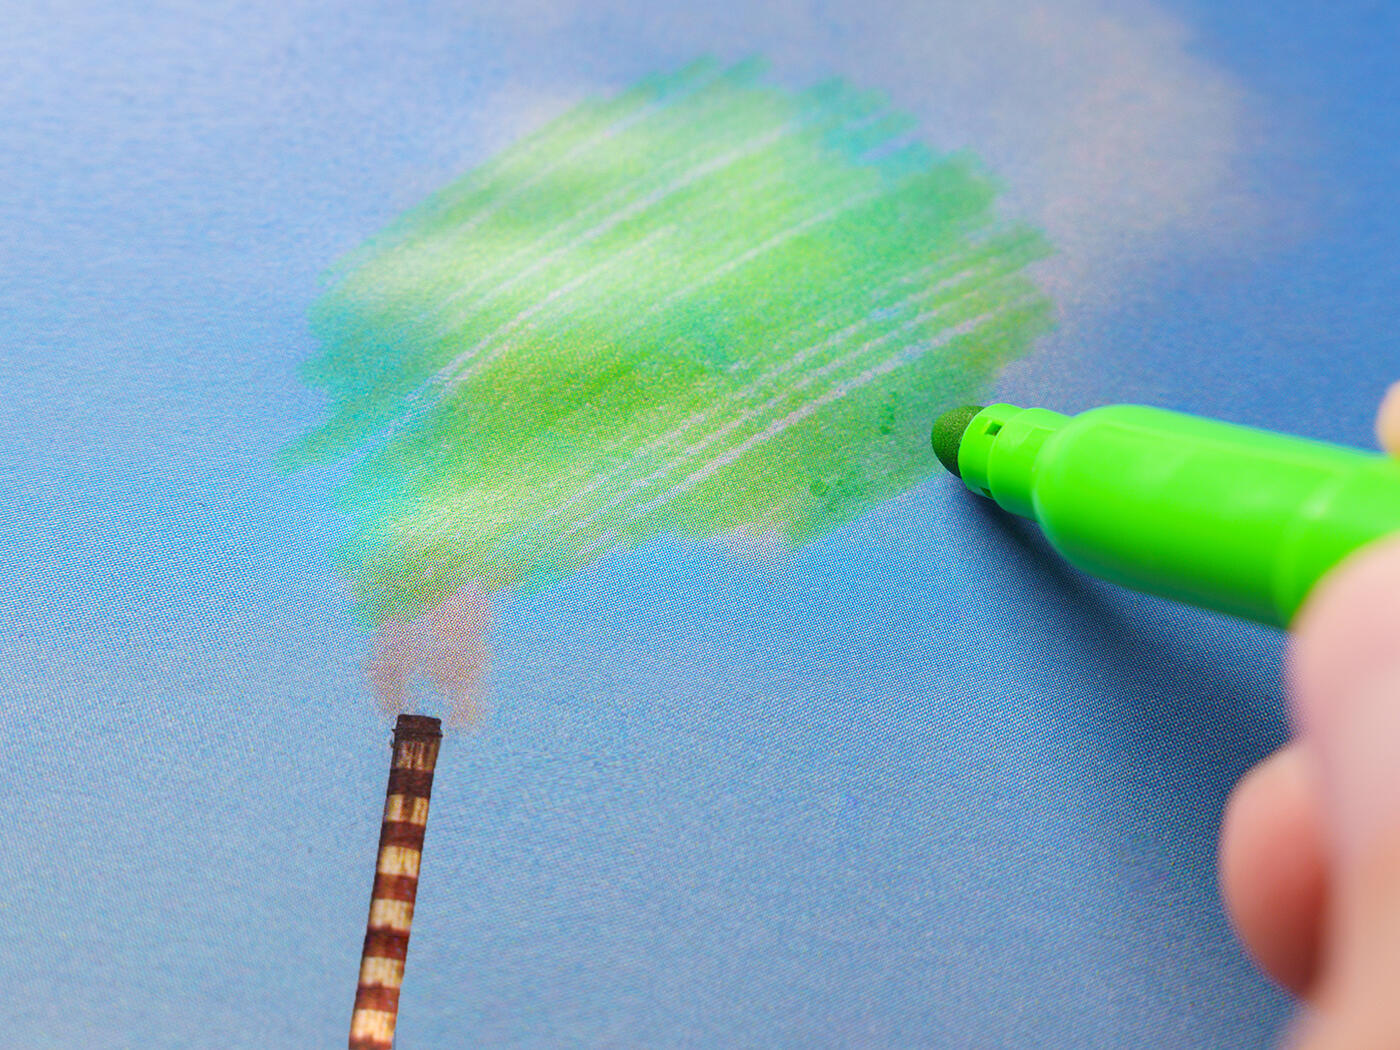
(1345,674)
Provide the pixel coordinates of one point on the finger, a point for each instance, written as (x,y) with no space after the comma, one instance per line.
(1345,635)
(1355,1005)
(1272,867)
(1388,422)
(1363,938)
(1345,669)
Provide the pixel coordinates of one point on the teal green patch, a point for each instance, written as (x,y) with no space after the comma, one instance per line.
(707,304)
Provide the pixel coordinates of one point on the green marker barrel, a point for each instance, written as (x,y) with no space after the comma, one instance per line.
(1226,517)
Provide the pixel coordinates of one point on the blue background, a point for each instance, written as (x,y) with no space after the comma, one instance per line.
(916,784)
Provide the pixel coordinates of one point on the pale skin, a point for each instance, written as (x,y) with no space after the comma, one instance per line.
(1310,846)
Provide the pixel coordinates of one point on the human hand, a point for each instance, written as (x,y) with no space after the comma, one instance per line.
(1310,847)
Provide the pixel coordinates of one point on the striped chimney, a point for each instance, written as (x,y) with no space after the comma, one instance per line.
(416,741)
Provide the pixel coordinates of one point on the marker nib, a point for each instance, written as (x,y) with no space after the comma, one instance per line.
(948,432)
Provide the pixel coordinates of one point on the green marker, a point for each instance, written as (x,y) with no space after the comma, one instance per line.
(1226,517)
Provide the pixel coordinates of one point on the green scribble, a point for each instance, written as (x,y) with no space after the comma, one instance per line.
(707,304)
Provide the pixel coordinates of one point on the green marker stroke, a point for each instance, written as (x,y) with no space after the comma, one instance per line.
(708,304)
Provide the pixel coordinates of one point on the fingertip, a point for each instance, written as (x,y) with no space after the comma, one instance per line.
(1344,636)
(1273,868)
(1388,421)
